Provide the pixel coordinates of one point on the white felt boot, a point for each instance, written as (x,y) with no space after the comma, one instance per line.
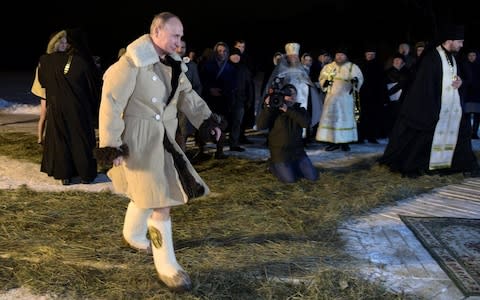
(169,271)
(135,227)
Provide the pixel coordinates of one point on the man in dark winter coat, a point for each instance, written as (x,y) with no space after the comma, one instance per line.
(373,96)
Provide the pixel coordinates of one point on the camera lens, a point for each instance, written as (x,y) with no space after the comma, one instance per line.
(276,100)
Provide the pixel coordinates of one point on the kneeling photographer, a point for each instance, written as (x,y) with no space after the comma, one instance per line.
(285,120)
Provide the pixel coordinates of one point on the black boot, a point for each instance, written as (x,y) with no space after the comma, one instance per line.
(332,147)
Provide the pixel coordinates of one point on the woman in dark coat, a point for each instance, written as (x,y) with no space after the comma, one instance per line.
(72,83)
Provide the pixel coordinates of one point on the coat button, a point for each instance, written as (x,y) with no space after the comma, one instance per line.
(157,117)
(154,100)
(154,78)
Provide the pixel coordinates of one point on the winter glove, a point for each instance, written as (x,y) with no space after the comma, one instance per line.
(207,129)
(106,155)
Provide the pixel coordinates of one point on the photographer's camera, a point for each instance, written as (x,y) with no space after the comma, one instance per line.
(277,93)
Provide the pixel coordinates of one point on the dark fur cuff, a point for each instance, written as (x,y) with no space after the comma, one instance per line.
(206,130)
(106,155)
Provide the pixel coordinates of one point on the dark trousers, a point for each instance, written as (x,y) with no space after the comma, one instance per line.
(291,171)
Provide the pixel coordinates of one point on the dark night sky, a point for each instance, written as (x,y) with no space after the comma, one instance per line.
(265,26)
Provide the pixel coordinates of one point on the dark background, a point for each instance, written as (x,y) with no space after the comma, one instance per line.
(266,27)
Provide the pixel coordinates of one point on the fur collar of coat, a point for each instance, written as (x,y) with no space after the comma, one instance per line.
(142,53)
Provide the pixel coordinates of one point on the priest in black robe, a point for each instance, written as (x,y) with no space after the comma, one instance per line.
(72,83)
(432,134)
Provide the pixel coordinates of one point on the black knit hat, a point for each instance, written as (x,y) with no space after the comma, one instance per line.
(399,55)
(341,49)
(235,51)
(370,47)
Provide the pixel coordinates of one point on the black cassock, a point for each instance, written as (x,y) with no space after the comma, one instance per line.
(73,93)
(410,142)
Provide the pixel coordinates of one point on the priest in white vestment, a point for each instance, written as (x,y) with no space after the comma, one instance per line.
(341,80)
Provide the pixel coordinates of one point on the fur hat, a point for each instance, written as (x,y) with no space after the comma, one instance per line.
(55,40)
(420,44)
(292,49)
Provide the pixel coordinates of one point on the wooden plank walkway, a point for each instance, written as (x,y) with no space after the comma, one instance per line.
(388,251)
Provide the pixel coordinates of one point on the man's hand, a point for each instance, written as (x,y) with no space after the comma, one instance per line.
(217,132)
(267,100)
(457,82)
(118,161)
(211,128)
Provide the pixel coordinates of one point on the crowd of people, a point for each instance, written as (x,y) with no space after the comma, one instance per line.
(157,94)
